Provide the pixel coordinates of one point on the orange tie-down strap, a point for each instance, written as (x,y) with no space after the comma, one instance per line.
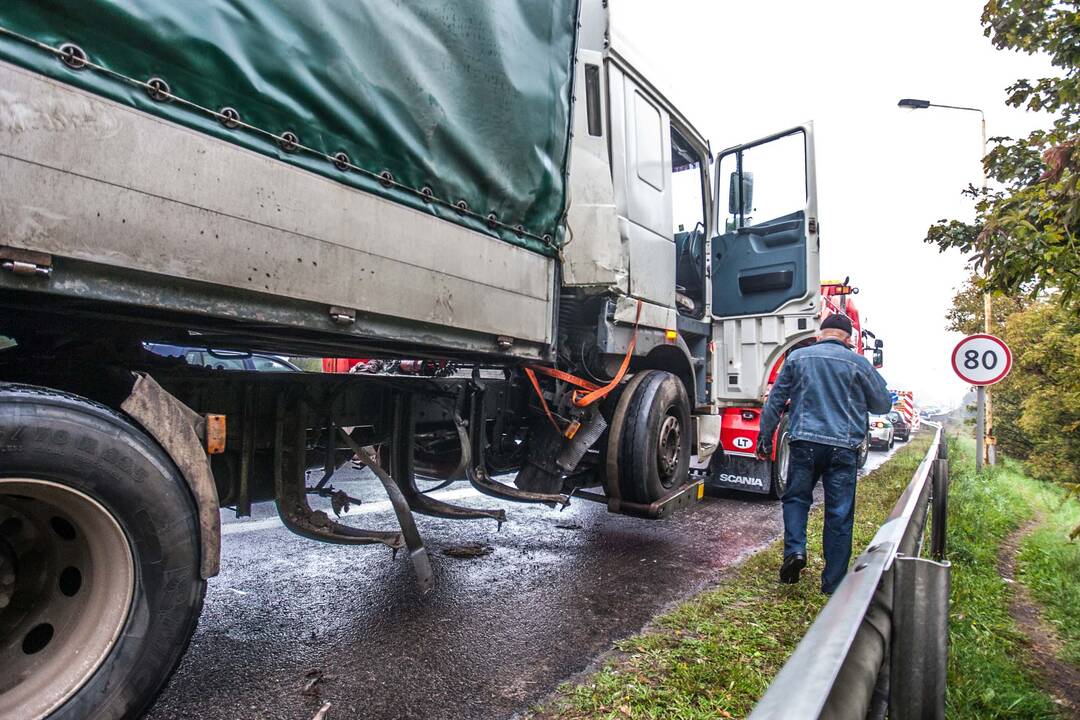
(592,391)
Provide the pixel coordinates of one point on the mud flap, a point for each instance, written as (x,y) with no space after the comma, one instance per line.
(738,472)
(177,428)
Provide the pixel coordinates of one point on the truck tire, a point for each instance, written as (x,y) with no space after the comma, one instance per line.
(99,546)
(782,461)
(649,449)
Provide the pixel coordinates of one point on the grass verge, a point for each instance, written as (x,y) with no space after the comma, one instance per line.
(713,656)
(988,677)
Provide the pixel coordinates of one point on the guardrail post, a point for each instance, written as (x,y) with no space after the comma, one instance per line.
(920,632)
(940,509)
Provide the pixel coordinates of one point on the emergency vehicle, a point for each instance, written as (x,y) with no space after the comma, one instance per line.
(905,405)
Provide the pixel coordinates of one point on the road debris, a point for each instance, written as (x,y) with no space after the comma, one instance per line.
(339,502)
(468,551)
(313,680)
(321,714)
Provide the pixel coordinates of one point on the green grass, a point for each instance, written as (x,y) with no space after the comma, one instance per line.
(713,656)
(988,677)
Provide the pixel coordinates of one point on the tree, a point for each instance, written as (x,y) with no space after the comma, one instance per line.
(1026,237)
(1044,386)
(966,314)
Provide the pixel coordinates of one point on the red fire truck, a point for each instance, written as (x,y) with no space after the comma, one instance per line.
(733,466)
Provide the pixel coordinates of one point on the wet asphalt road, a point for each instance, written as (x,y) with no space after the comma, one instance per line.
(498,633)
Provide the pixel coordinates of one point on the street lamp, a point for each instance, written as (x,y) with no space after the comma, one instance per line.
(913,104)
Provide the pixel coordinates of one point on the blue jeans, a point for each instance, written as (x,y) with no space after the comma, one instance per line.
(835,467)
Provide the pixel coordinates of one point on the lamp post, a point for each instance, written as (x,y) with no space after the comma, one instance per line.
(988,452)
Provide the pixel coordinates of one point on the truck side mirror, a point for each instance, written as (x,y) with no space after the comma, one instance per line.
(745,193)
(879,358)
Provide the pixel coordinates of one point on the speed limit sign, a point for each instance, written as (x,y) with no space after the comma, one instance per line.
(981,359)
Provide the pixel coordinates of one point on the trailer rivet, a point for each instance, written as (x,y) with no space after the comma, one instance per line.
(492,220)
(462,206)
(386,178)
(73,56)
(158,89)
(341,161)
(229,117)
(288,141)
(426,193)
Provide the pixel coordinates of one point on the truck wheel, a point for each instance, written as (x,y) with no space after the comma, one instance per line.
(783,460)
(649,449)
(99,560)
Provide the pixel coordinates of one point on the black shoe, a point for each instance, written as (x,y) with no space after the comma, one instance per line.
(793,565)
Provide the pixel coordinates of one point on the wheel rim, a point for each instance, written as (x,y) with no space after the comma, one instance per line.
(669,449)
(66,586)
(783,459)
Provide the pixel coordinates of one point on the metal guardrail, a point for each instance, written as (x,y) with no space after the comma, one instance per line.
(878,647)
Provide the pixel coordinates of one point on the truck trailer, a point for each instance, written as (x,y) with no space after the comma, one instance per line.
(492,185)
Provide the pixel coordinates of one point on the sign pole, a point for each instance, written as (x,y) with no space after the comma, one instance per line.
(980,427)
(982,360)
(990,449)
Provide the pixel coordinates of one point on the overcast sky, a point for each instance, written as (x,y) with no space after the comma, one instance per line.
(739,71)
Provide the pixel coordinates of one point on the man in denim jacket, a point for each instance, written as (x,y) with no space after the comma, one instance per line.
(830,389)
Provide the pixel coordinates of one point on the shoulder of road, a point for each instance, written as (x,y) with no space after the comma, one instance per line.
(715,654)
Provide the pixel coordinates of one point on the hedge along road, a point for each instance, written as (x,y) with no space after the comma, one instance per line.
(290,624)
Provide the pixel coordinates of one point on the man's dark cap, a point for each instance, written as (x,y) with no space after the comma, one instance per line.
(837,322)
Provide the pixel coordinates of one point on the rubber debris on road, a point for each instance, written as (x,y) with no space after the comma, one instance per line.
(468,551)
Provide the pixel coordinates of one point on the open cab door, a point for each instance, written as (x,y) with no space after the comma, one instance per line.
(764,260)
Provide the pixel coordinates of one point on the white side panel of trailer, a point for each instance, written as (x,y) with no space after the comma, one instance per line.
(86,178)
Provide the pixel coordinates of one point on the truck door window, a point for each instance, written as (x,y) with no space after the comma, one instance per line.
(765,183)
(688,219)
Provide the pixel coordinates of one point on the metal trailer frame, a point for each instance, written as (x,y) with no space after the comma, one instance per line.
(879,646)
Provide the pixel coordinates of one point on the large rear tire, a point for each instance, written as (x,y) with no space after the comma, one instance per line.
(100,589)
(783,460)
(649,446)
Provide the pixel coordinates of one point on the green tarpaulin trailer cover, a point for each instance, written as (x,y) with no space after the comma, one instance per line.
(460,108)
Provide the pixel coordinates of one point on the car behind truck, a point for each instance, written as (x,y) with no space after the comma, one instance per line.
(503,191)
